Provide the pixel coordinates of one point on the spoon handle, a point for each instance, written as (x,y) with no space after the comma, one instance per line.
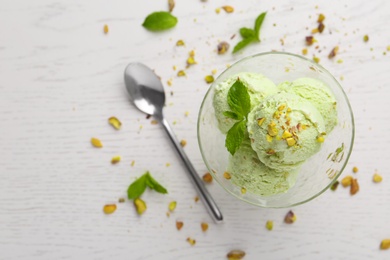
(204,194)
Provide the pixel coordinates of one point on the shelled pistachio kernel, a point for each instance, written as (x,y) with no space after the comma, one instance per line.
(109,208)
(335,185)
(227,175)
(105,29)
(346,181)
(269,138)
(290,217)
(321,18)
(114,122)
(116,159)
(180,43)
(385,244)
(96,142)
(172,206)
(181,73)
(179,225)
(354,187)
(204,226)
(183,143)
(355,169)
(376,178)
(209,79)
(191,241)
(235,255)
(222,47)
(269,225)
(228,8)
(320,139)
(286,134)
(207,178)
(140,206)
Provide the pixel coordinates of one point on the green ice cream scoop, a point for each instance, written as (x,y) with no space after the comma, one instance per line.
(285,130)
(258,87)
(248,172)
(318,94)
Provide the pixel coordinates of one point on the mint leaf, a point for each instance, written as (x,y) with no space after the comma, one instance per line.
(235,136)
(154,185)
(247,33)
(250,35)
(138,187)
(232,115)
(258,23)
(240,45)
(238,99)
(159,21)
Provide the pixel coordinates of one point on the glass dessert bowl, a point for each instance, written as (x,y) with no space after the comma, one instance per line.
(275,129)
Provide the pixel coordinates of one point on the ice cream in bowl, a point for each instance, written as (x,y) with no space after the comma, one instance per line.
(275,129)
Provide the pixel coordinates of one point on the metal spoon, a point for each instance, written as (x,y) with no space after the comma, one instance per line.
(148,95)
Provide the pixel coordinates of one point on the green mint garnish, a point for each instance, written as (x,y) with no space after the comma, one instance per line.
(239,102)
(159,21)
(248,35)
(138,187)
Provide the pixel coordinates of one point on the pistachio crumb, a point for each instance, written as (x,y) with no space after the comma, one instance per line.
(334,185)
(183,143)
(191,241)
(180,43)
(243,190)
(181,73)
(354,187)
(218,10)
(227,175)
(204,226)
(109,208)
(228,9)
(346,181)
(121,200)
(235,255)
(196,199)
(179,225)
(321,18)
(269,225)
(377,178)
(385,244)
(223,47)
(96,142)
(105,29)
(290,217)
(207,178)
(355,169)
(365,38)
(172,206)
(209,79)
(116,159)
(304,51)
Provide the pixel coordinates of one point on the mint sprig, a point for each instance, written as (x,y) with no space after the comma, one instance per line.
(250,35)
(239,102)
(159,21)
(138,187)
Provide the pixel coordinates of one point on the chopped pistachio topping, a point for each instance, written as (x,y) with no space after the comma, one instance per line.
(260,121)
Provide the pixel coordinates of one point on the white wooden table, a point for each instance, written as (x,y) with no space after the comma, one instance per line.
(61,78)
